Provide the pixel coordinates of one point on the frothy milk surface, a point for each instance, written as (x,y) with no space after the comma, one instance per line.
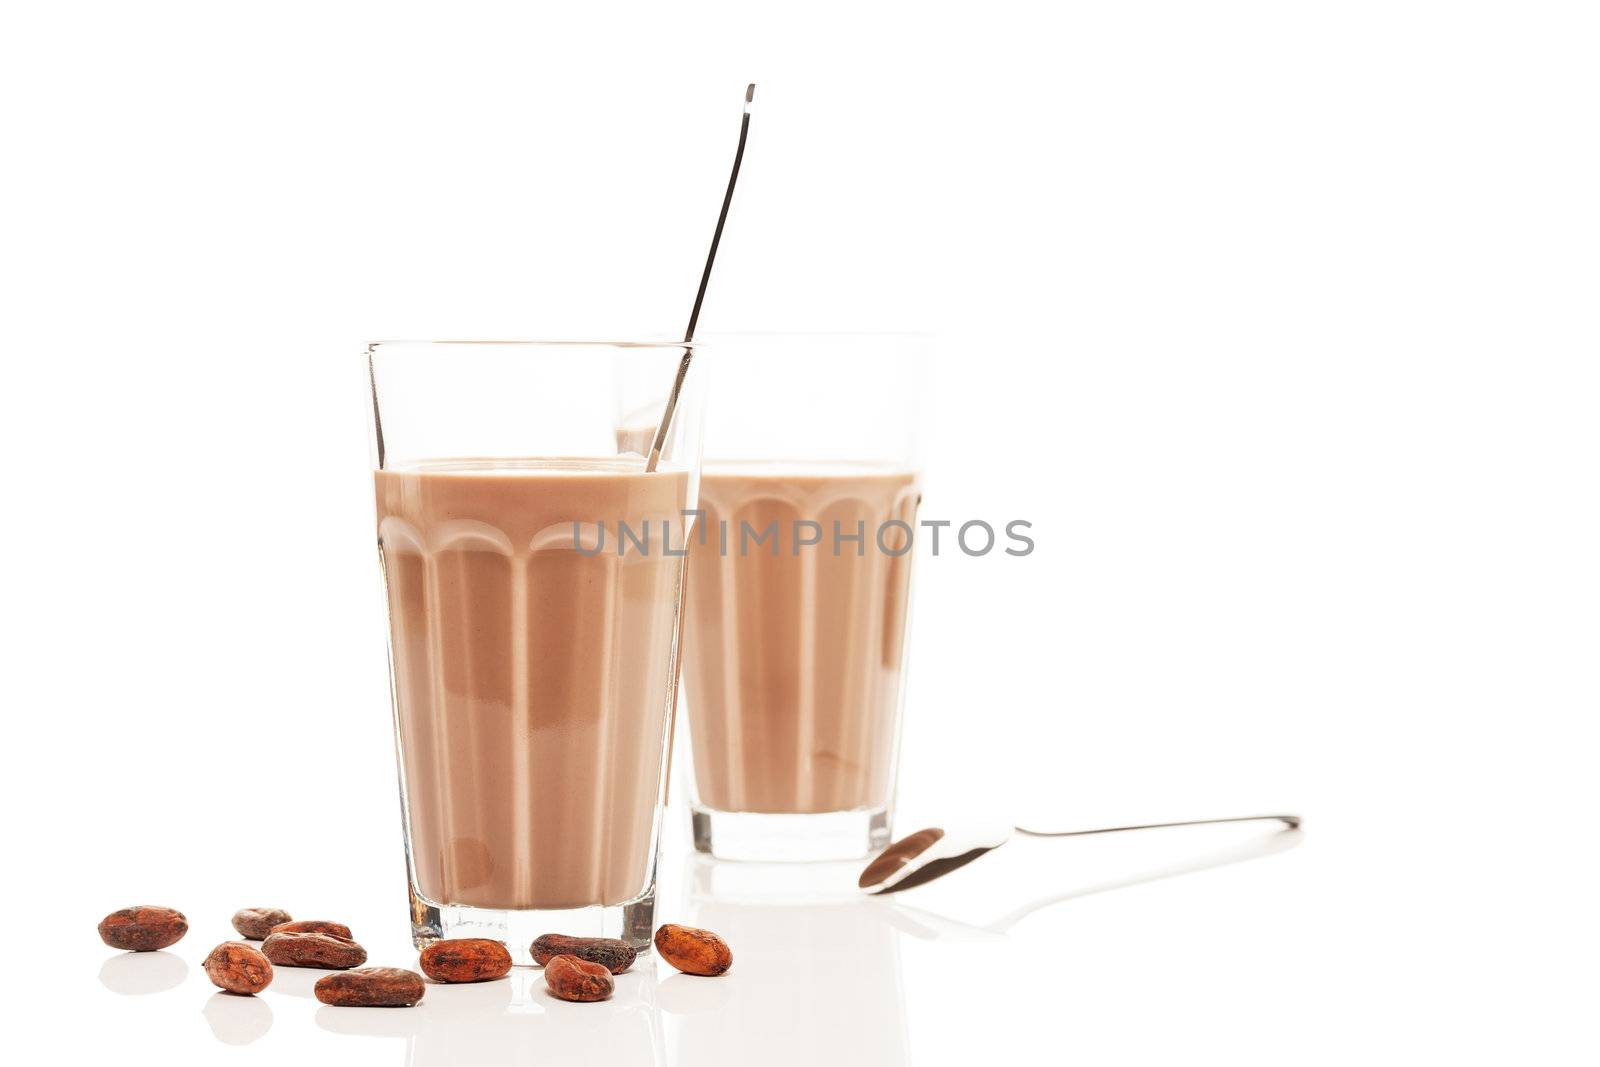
(533,683)
(793,660)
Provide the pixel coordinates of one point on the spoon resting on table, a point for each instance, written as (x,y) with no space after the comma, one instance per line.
(919,858)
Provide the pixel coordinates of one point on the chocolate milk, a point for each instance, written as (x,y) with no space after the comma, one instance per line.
(793,661)
(533,683)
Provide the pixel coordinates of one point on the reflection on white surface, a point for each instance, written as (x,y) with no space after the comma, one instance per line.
(818,976)
(937,924)
(297,981)
(515,1021)
(237,1020)
(815,976)
(137,973)
(688,994)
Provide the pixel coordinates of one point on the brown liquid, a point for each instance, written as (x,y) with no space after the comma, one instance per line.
(533,684)
(794,661)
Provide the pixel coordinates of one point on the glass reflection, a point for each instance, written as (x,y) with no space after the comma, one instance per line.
(516,1021)
(816,970)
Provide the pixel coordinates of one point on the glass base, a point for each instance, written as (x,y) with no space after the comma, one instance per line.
(829,835)
(633,922)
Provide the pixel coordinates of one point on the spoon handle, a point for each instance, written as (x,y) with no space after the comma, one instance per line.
(1291,821)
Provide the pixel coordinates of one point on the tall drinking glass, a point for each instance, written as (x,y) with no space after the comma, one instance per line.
(798,590)
(534,576)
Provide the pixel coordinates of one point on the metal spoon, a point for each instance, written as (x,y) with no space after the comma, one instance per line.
(919,858)
(665,423)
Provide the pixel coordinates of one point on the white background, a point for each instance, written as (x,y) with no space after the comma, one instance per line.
(1277,319)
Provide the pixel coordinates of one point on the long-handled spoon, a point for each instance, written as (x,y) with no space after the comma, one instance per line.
(919,858)
(665,422)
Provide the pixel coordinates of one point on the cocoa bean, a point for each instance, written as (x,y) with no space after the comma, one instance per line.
(313,950)
(254,924)
(466,959)
(693,951)
(570,978)
(371,987)
(312,926)
(238,968)
(614,954)
(143,928)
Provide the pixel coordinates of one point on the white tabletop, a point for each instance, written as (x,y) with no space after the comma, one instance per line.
(1241,945)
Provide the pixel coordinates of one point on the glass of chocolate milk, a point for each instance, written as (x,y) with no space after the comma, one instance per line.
(798,588)
(534,572)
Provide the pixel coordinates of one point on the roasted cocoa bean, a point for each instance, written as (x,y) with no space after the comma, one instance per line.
(693,951)
(238,968)
(254,924)
(611,953)
(143,928)
(570,978)
(312,926)
(313,950)
(371,987)
(466,959)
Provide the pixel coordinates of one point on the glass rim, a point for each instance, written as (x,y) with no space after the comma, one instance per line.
(841,334)
(709,337)
(373,346)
